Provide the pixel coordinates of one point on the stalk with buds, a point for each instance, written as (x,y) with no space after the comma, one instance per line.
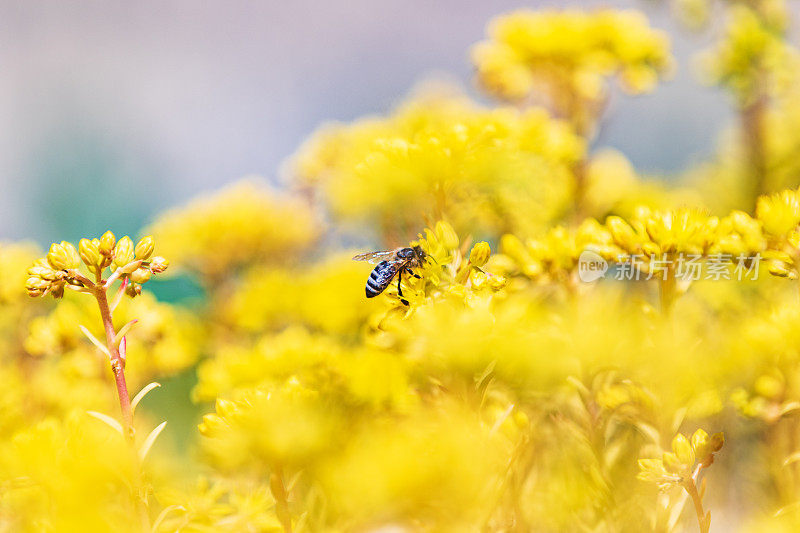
(106,261)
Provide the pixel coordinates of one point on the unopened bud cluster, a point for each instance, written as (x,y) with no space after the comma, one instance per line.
(59,269)
(677,466)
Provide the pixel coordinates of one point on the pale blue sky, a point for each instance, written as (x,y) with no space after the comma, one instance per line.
(112,111)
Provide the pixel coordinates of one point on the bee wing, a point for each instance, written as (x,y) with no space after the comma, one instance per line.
(375,257)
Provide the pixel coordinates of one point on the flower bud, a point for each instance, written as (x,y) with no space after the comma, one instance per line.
(107,243)
(497,282)
(700,443)
(651,249)
(458,291)
(226,408)
(34,292)
(123,252)
(129,268)
(447,235)
(716,442)
(144,248)
(90,252)
(769,387)
(672,463)
(133,290)
(777,267)
(57,290)
(480,254)
(623,234)
(477,279)
(517,251)
(158,264)
(35,282)
(210,425)
(779,213)
(683,450)
(63,256)
(742,222)
(74,260)
(43,272)
(141,275)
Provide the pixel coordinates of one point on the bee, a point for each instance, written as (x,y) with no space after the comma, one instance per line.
(391,263)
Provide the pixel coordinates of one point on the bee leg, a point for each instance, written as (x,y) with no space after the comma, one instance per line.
(413,274)
(399,290)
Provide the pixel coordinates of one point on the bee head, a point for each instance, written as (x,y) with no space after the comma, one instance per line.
(406,253)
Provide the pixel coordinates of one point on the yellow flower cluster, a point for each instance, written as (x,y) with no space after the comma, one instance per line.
(566,57)
(500,391)
(755,60)
(244,224)
(678,467)
(166,338)
(218,505)
(679,464)
(286,426)
(17,310)
(272,298)
(443,156)
(60,269)
(555,255)
(753,46)
(51,469)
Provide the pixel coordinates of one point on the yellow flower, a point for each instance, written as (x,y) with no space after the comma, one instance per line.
(484,170)
(245,224)
(741,235)
(107,243)
(144,248)
(428,469)
(676,233)
(63,256)
(287,426)
(480,254)
(567,55)
(677,466)
(60,268)
(51,469)
(123,252)
(221,505)
(327,296)
(90,252)
(557,253)
(779,213)
(754,46)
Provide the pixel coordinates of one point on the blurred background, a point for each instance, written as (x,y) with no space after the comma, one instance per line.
(118,111)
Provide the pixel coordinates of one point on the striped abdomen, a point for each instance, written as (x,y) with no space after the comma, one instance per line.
(380,277)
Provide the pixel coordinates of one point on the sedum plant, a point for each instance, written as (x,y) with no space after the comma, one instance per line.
(502,391)
(682,467)
(106,262)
